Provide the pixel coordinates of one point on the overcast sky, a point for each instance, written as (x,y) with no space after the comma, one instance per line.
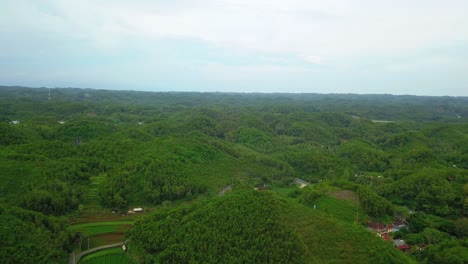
(332,46)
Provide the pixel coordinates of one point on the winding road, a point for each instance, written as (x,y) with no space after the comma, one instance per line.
(75,258)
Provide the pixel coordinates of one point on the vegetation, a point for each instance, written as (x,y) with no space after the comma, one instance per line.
(240,228)
(31,237)
(253,227)
(345,210)
(96,228)
(330,240)
(86,152)
(108,256)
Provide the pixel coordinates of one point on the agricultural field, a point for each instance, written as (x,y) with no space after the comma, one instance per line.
(108,256)
(98,228)
(285,190)
(100,240)
(96,234)
(339,208)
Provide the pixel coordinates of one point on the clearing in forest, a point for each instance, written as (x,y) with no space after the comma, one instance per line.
(344,209)
(345,195)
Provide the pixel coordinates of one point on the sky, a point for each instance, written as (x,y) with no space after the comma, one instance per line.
(417,47)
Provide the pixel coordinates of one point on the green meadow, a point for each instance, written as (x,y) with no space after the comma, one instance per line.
(339,208)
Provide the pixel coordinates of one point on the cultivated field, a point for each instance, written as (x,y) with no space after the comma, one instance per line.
(340,208)
(97,228)
(109,256)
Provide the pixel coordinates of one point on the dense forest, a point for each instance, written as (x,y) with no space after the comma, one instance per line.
(255,227)
(67,152)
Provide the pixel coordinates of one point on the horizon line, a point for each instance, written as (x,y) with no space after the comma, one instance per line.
(224,92)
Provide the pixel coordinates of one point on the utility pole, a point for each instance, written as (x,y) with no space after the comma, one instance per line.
(49,93)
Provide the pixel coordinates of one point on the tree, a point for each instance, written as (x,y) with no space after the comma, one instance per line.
(461,227)
(374,204)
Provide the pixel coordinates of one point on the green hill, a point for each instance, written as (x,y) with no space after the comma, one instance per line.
(255,227)
(95,154)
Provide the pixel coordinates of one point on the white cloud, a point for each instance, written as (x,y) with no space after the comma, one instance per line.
(324,28)
(314,59)
(245,73)
(318,42)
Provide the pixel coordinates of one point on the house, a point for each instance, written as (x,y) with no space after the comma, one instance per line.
(399,224)
(404,247)
(398,242)
(138,210)
(401,244)
(261,187)
(380,228)
(15,122)
(386,237)
(301,183)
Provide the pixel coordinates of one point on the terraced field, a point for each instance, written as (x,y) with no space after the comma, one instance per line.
(108,256)
(91,196)
(96,234)
(97,228)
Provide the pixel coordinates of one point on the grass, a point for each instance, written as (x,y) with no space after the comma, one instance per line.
(338,208)
(110,251)
(108,256)
(97,234)
(97,228)
(285,191)
(101,240)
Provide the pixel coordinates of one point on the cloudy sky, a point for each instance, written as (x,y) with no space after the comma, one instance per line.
(330,46)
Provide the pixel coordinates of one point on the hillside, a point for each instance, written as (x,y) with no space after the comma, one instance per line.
(94,155)
(255,227)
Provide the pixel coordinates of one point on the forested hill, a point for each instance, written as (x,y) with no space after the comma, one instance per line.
(86,152)
(255,227)
(381,107)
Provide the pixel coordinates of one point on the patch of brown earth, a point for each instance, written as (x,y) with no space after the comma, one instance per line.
(345,195)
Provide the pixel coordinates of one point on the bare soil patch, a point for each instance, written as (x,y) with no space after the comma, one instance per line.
(345,195)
